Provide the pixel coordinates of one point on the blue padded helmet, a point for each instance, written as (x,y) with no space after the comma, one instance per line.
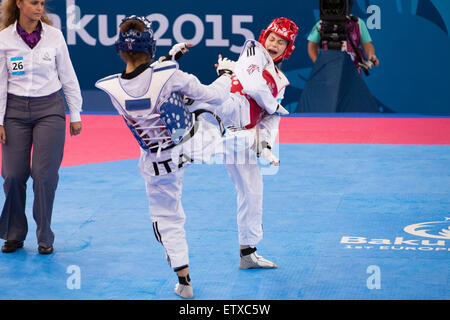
(137,41)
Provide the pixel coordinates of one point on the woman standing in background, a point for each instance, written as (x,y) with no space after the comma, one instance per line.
(34,66)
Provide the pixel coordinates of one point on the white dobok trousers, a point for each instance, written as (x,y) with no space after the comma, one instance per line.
(164,191)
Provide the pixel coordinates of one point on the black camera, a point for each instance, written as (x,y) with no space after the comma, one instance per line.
(335,16)
(335,10)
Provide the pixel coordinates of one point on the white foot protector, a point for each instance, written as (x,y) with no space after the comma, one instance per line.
(184,291)
(255,261)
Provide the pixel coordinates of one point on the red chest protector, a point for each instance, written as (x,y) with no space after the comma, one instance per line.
(256,112)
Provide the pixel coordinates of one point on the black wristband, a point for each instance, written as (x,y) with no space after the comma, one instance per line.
(166,58)
(225,71)
(178,55)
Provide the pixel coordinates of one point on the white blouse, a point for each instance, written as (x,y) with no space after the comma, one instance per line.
(37,72)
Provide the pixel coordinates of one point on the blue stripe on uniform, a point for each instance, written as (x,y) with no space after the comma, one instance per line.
(165,68)
(107,78)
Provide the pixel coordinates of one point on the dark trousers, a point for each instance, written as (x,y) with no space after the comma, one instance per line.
(37,126)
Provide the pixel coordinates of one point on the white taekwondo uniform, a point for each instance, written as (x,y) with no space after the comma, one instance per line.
(258,87)
(141,101)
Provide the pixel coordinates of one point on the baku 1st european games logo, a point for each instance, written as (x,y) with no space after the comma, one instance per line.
(433,237)
(433,229)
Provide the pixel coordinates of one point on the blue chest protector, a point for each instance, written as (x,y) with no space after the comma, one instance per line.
(176,117)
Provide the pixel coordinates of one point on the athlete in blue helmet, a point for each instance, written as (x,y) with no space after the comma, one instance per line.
(151,100)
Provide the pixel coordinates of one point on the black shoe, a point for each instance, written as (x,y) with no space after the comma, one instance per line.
(44,250)
(11,246)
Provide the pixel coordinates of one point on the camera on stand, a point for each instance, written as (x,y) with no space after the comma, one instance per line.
(335,16)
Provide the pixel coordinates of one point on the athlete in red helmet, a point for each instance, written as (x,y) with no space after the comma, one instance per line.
(259,79)
(258,86)
(285,29)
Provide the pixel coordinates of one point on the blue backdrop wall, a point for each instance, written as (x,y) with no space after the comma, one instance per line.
(411,38)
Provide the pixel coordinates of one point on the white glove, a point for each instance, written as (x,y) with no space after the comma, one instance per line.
(178,50)
(224,65)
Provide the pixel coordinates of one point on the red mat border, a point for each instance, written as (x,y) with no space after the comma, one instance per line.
(106,138)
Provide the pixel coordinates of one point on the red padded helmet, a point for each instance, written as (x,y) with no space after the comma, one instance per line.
(285,28)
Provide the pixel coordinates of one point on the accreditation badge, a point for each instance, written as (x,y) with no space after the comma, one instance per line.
(17,66)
